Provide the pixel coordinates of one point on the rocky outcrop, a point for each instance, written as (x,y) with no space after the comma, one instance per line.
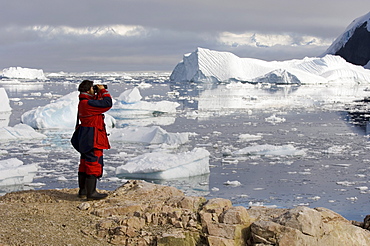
(357,48)
(142,213)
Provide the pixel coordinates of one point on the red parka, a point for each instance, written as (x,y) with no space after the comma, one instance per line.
(92,132)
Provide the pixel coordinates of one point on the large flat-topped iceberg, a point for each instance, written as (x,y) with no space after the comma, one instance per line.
(148,135)
(204,65)
(13,172)
(159,165)
(23,73)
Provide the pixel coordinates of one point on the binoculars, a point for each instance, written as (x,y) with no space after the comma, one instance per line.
(95,87)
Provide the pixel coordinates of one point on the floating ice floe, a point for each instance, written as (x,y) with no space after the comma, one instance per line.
(129,105)
(249,137)
(234,183)
(148,135)
(13,172)
(345,183)
(19,132)
(273,119)
(62,113)
(159,165)
(267,149)
(23,73)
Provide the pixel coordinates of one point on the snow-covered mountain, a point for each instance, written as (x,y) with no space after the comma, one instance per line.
(354,43)
(204,65)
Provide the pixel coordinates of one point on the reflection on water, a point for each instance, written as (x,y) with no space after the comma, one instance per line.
(192,186)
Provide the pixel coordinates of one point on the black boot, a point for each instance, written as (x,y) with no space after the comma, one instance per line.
(92,194)
(81,184)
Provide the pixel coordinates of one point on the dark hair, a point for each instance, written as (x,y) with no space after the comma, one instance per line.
(85,85)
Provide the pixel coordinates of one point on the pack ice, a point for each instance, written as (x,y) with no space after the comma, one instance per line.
(204,65)
(23,73)
(159,165)
(13,172)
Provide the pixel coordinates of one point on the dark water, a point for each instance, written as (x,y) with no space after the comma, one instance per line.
(332,173)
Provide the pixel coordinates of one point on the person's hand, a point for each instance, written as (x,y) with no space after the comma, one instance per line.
(100,87)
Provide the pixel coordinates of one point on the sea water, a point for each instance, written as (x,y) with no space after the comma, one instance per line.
(333,171)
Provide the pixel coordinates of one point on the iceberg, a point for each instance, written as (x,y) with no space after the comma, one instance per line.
(159,165)
(4,101)
(129,105)
(62,113)
(23,73)
(130,96)
(204,65)
(267,149)
(147,135)
(5,109)
(13,172)
(19,132)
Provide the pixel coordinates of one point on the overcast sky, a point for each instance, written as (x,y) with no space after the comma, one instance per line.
(142,35)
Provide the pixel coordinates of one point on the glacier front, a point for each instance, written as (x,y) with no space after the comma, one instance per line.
(204,65)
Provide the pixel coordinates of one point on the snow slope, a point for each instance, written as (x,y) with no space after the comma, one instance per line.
(347,34)
(204,65)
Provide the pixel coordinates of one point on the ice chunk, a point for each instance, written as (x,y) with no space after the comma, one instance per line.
(234,183)
(23,73)
(158,165)
(249,137)
(61,113)
(273,119)
(267,149)
(19,132)
(130,96)
(13,172)
(4,101)
(148,135)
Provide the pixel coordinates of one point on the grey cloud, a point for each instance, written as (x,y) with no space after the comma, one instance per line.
(174,28)
(325,17)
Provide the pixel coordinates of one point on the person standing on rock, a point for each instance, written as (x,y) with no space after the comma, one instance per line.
(90,137)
